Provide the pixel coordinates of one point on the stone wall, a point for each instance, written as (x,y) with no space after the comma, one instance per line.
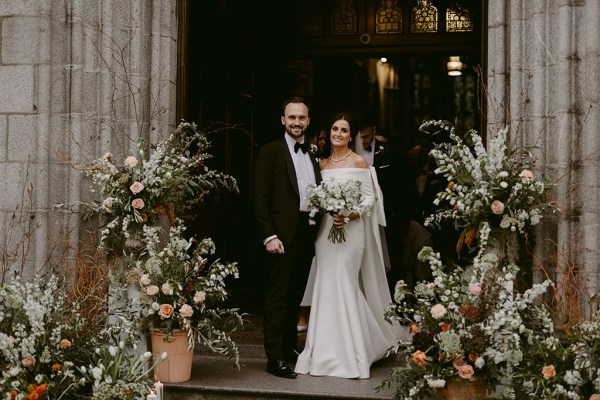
(544,81)
(68,71)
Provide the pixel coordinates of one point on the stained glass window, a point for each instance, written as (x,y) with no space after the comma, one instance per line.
(388,18)
(310,19)
(424,18)
(458,19)
(343,18)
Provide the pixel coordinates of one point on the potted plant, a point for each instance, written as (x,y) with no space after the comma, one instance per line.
(182,293)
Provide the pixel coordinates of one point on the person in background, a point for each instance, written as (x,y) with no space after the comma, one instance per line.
(283,170)
(347,330)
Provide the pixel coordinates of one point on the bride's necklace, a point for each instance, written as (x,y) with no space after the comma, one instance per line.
(340,159)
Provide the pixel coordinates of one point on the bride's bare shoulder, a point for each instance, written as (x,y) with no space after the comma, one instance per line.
(359,161)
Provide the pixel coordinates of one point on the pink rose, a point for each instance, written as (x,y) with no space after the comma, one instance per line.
(186,311)
(466,371)
(166,288)
(548,372)
(65,344)
(145,279)
(419,358)
(130,162)
(166,311)
(458,363)
(475,289)
(526,174)
(152,290)
(136,187)
(138,203)
(497,207)
(199,297)
(27,362)
(438,311)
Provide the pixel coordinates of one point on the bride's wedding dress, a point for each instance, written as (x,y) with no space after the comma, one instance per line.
(347,331)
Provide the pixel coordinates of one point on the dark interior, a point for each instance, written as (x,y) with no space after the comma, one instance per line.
(240,59)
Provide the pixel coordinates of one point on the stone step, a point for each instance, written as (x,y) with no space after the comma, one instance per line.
(215,378)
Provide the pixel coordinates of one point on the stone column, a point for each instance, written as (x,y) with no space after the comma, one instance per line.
(544,81)
(78,79)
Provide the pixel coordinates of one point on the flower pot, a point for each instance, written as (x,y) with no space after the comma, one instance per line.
(177,367)
(464,389)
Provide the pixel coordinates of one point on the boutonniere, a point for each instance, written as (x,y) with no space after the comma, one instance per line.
(313,148)
(381,150)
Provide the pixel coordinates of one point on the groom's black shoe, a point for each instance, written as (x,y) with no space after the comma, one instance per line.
(279,368)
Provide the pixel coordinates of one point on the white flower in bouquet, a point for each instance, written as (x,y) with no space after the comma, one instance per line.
(336,197)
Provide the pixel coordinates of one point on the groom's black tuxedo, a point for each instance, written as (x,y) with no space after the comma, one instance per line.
(277,208)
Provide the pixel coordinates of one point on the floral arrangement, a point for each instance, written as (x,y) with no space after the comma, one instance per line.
(46,344)
(465,325)
(119,368)
(336,196)
(138,191)
(487,189)
(560,368)
(181,289)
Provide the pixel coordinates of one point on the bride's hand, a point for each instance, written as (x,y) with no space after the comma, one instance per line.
(339,220)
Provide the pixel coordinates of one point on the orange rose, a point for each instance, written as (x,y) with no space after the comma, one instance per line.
(41,389)
(419,358)
(455,207)
(548,372)
(166,311)
(13,394)
(65,344)
(56,367)
(445,327)
(413,328)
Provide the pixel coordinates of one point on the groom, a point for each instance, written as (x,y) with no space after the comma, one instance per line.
(283,170)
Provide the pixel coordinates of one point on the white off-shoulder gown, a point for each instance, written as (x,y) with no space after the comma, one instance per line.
(347,331)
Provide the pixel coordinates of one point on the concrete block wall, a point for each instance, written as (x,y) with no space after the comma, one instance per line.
(68,73)
(544,66)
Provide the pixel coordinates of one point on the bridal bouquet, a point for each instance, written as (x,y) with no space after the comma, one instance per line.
(335,196)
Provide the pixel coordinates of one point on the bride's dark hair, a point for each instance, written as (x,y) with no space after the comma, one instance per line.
(346,116)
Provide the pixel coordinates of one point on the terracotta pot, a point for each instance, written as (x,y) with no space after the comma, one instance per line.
(464,389)
(177,367)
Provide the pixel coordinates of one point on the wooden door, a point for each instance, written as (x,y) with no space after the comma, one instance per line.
(239,59)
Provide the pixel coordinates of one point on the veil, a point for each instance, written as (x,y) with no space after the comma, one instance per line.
(358,146)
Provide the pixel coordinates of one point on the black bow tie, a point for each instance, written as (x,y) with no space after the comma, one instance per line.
(369,148)
(301,146)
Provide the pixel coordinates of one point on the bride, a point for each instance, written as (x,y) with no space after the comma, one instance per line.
(347,331)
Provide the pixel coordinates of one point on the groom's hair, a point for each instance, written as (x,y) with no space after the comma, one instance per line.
(294,99)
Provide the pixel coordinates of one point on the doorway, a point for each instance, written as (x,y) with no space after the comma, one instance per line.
(241,58)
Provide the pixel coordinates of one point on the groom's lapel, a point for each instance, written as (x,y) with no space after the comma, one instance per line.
(290,165)
(316,167)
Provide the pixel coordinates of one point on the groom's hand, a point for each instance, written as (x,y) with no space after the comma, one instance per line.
(274,246)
